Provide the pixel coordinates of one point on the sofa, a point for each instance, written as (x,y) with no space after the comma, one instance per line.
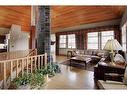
(95,55)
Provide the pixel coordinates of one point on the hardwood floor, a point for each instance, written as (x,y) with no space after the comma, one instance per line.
(71,78)
(60,59)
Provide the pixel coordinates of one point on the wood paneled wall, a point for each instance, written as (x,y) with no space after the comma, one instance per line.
(116,29)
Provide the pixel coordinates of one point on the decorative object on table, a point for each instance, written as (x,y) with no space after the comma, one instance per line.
(112,45)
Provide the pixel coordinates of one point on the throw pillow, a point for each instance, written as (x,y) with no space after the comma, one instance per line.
(119,58)
(125,76)
(100,54)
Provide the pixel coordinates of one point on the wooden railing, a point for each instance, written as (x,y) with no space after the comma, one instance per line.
(32,52)
(17,54)
(12,68)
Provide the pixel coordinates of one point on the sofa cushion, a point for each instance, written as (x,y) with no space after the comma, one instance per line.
(79,52)
(95,52)
(88,52)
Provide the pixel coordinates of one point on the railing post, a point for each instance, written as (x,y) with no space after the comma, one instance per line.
(31,62)
(27,63)
(4,81)
(35,51)
(41,60)
(35,65)
(45,56)
(38,62)
(11,70)
(17,68)
(22,66)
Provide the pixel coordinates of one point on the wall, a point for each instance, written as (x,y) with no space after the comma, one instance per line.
(19,40)
(19,43)
(85,31)
(53,47)
(124,21)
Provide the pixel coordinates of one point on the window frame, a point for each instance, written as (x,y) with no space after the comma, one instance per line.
(68,41)
(124,29)
(105,36)
(99,35)
(62,43)
(92,37)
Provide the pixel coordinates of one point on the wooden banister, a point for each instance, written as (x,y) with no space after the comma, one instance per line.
(29,63)
(17,54)
(32,52)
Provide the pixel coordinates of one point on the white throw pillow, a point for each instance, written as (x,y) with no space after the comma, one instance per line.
(119,58)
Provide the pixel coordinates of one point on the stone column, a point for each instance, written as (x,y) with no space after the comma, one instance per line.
(43,30)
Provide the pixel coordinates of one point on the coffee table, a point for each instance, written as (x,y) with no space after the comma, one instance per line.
(80,60)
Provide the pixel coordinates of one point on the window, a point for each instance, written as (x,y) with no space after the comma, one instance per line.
(105,36)
(2,46)
(124,37)
(62,41)
(97,40)
(93,40)
(71,41)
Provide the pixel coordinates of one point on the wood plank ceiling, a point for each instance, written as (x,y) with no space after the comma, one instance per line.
(19,15)
(68,16)
(61,16)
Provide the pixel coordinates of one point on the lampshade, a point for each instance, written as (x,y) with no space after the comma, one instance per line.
(112,44)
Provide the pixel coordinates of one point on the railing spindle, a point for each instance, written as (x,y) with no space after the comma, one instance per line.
(31,62)
(17,68)
(35,65)
(4,81)
(27,63)
(22,66)
(45,56)
(38,62)
(11,70)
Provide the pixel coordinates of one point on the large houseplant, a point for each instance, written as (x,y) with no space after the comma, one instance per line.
(38,78)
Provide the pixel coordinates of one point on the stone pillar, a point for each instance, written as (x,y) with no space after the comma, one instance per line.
(43,30)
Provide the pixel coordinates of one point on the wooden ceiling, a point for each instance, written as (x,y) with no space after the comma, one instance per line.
(68,16)
(61,16)
(19,15)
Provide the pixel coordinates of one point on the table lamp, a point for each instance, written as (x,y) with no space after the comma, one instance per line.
(112,45)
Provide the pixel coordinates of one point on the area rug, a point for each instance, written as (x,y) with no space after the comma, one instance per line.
(90,66)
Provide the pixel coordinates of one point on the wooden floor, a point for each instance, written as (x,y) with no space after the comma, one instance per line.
(71,78)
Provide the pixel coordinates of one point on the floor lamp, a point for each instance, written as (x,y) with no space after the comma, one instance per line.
(112,45)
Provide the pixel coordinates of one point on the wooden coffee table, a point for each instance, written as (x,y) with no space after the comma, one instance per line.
(80,60)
